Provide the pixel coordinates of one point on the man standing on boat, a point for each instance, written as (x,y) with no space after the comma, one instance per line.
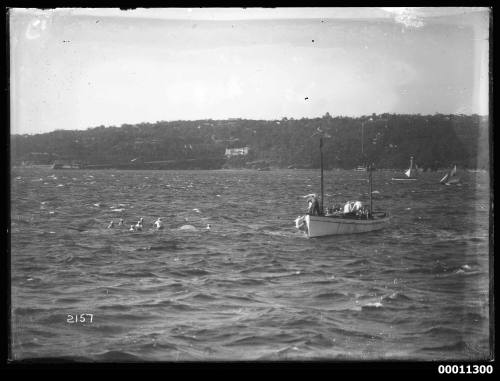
(313,208)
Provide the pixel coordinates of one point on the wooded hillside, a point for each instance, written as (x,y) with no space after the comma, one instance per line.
(436,141)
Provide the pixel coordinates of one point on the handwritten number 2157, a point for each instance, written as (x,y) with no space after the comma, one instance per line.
(83,318)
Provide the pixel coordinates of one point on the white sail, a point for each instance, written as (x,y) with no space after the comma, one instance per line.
(411,172)
(450,177)
(453,172)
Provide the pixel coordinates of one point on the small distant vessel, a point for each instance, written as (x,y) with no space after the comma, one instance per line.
(336,223)
(450,177)
(360,168)
(61,164)
(411,173)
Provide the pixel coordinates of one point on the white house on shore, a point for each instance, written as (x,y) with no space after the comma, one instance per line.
(230,152)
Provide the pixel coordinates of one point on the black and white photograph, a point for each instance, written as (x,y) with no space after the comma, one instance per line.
(251,185)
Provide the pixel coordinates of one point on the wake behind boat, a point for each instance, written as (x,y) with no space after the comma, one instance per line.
(351,218)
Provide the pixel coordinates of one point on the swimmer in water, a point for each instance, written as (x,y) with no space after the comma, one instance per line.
(121,222)
(158,224)
(138,226)
(131,228)
(208,226)
(111,224)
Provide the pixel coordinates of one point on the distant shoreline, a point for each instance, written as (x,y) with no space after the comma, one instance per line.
(48,166)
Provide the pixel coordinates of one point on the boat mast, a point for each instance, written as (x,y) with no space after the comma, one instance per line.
(321,163)
(362,141)
(370,181)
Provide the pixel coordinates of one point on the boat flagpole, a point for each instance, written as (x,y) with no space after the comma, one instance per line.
(321,163)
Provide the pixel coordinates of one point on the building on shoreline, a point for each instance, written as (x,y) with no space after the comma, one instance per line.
(230,152)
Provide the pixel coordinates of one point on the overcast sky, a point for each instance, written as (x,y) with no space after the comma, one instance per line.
(81,68)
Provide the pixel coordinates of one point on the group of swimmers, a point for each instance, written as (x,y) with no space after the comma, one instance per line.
(158,224)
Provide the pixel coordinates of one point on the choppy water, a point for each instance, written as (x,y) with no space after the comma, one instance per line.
(251,287)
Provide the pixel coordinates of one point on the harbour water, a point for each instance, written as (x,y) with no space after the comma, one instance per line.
(251,287)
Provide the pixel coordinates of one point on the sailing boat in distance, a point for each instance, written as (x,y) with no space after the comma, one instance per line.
(450,177)
(411,173)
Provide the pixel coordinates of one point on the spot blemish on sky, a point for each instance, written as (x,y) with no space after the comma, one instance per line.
(35,28)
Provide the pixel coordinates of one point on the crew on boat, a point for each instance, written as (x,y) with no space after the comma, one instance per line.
(335,210)
(356,209)
(313,205)
(352,206)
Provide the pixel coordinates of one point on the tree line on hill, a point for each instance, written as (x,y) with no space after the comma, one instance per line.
(387,140)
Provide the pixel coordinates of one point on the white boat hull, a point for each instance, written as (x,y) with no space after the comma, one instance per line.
(317,226)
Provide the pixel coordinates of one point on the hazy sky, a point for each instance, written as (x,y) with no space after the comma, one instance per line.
(80,68)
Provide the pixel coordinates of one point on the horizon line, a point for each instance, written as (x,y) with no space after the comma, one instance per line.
(248,119)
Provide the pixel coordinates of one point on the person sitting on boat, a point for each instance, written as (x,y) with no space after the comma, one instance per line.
(351,207)
(363,213)
(347,207)
(334,210)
